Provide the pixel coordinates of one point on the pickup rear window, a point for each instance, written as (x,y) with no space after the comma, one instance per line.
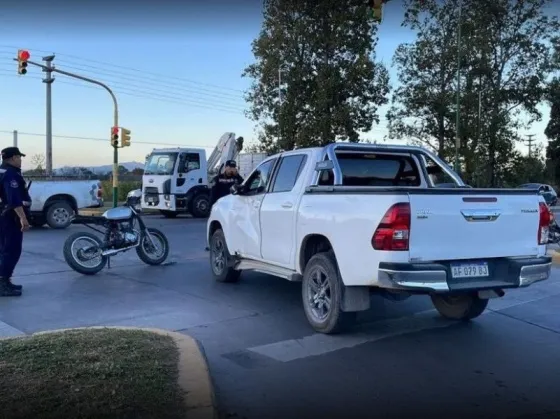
(374,169)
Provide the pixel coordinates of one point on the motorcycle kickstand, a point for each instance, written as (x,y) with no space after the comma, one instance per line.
(109,262)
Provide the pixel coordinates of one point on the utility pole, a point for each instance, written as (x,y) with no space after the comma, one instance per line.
(15,138)
(458,110)
(529,143)
(48,81)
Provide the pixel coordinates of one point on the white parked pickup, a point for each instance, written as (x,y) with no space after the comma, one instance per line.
(55,201)
(351,219)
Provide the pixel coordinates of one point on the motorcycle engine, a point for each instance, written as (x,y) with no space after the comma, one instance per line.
(123,235)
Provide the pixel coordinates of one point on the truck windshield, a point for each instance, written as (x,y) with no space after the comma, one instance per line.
(160,164)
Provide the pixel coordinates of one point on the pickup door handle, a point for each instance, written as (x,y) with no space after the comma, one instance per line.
(480,215)
(287,205)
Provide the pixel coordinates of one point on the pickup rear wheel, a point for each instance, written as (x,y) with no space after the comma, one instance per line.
(459,307)
(59,214)
(322,290)
(220,259)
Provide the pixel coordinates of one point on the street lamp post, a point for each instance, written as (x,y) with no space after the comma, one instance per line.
(458,108)
(281,68)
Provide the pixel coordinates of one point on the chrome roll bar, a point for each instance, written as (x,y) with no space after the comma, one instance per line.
(329,155)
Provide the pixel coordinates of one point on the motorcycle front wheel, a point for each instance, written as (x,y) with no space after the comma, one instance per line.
(156,253)
(86,258)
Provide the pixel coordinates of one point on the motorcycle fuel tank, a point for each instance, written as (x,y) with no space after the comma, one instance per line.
(118,214)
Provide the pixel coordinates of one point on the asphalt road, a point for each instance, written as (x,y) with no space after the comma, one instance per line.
(401,359)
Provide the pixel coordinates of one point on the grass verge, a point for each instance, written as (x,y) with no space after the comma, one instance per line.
(98,373)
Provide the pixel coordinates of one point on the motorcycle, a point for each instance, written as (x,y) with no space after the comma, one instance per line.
(124,230)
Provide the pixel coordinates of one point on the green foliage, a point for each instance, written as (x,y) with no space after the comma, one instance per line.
(504,68)
(124,189)
(552,130)
(322,56)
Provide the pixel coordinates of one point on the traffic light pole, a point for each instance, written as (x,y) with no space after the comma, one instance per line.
(115,119)
(49,81)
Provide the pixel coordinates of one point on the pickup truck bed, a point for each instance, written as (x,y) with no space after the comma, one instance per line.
(54,202)
(348,220)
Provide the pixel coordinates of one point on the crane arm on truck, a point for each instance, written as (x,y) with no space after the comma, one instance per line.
(228,148)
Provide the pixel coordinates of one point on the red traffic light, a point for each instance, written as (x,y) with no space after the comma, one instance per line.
(23,55)
(115,130)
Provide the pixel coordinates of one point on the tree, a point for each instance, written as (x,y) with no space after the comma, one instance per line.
(552,130)
(137,171)
(322,56)
(503,71)
(525,169)
(422,104)
(38,161)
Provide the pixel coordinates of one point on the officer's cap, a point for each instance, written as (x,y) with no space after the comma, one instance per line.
(10,152)
(231,163)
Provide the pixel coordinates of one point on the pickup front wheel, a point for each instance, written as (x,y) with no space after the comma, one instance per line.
(322,290)
(459,307)
(220,259)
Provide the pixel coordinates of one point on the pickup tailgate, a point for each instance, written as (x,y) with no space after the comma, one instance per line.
(480,224)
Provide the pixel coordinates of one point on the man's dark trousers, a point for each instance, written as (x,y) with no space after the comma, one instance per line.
(11,240)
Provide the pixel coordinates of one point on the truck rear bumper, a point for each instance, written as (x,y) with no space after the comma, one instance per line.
(436,277)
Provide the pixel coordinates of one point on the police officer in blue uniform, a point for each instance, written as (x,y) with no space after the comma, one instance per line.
(15,204)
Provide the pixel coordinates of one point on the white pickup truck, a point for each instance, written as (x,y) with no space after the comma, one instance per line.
(351,219)
(55,201)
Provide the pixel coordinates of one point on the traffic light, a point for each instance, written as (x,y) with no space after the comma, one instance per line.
(125,137)
(22,58)
(376,7)
(115,136)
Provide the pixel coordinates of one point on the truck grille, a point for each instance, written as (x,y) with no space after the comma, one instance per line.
(151,196)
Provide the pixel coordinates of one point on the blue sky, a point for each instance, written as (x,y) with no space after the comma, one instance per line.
(188,77)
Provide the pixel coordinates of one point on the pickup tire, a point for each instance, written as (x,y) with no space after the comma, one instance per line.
(220,259)
(459,307)
(322,293)
(59,214)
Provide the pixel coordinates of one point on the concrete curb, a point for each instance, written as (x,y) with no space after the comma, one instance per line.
(194,375)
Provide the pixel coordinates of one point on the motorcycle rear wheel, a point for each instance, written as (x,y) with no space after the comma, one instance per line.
(77,260)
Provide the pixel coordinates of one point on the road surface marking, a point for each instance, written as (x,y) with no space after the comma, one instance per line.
(320,344)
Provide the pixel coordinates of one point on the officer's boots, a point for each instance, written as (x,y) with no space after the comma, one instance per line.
(7,289)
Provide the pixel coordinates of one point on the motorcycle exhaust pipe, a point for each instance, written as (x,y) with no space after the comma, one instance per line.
(115,251)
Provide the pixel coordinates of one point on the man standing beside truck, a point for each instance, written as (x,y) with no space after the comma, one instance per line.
(223,182)
(221,185)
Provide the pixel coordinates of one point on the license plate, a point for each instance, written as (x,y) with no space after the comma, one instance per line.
(470,270)
(151,200)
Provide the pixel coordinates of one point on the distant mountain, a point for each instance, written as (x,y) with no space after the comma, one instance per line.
(130,166)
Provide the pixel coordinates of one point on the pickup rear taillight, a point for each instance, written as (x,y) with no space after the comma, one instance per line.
(544,223)
(393,231)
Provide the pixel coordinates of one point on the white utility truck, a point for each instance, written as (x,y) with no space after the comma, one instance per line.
(350,219)
(54,202)
(177,180)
